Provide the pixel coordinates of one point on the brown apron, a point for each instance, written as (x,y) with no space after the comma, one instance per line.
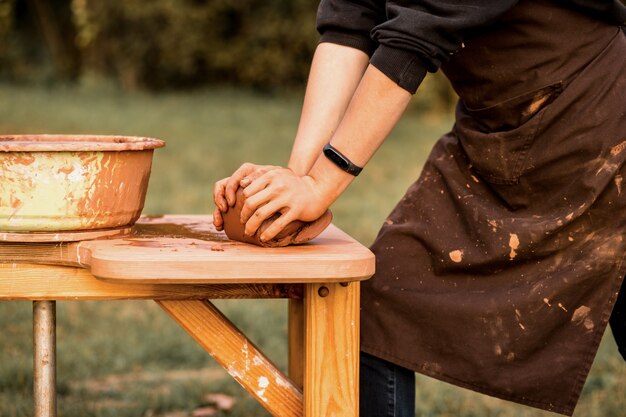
(499,268)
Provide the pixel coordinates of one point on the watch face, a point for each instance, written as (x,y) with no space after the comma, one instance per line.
(336,158)
(341,161)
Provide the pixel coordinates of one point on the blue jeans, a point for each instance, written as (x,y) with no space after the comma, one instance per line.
(387,390)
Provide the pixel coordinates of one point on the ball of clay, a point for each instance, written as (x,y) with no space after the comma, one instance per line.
(294,233)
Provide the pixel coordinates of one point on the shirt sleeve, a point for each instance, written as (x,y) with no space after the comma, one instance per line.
(409,37)
(350,23)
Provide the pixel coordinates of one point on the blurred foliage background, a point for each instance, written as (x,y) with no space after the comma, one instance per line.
(222,82)
(160,45)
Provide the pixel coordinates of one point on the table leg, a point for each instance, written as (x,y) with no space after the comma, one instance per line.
(44,379)
(331,376)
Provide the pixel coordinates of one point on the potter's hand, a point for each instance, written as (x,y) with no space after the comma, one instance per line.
(281,191)
(224,191)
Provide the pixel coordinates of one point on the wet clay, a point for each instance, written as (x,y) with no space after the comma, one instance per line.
(294,233)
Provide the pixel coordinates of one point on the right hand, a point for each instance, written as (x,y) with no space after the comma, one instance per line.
(291,196)
(224,190)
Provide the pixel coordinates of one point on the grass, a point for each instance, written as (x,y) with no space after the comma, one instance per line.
(127,358)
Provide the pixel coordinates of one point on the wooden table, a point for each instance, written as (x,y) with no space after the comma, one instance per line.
(181,262)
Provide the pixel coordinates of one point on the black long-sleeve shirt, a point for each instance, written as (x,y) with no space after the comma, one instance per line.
(405,39)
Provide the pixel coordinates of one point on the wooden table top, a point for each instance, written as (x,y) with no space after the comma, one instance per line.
(175,249)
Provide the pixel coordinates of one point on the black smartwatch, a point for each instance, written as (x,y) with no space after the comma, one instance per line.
(340,160)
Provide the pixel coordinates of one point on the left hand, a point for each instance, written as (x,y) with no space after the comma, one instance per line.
(282,191)
(224,190)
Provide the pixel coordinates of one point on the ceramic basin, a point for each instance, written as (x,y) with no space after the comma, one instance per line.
(51,183)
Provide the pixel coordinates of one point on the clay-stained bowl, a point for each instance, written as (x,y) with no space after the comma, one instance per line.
(56,183)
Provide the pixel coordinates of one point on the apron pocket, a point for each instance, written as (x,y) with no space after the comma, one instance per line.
(496,139)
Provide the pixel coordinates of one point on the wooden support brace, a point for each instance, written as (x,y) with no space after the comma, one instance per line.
(233,351)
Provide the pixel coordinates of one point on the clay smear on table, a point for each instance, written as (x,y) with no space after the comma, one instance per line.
(190,229)
(296,232)
(160,232)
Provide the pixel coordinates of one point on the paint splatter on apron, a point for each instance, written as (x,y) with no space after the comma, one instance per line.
(499,268)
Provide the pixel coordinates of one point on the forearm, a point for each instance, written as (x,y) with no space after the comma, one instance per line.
(373,111)
(335,73)
(377,105)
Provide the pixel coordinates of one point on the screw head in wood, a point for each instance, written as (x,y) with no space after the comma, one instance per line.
(323,291)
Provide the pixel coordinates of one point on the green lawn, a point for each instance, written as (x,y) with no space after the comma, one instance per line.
(128,358)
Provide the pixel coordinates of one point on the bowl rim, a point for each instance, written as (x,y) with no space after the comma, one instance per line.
(76,143)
